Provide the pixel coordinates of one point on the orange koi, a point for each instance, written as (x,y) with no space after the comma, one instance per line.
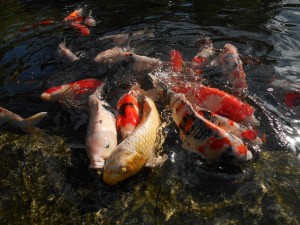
(128,113)
(74,15)
(203,137)
(83,30)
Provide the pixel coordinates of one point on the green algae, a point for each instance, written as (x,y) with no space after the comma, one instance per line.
(44,181)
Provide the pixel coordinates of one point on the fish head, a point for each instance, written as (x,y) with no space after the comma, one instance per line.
(54,93)
(121,165)
(235,155)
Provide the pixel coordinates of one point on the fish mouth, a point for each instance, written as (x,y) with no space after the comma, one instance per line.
(97,164)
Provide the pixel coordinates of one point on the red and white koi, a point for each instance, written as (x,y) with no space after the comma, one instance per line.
(176,61)
(27,125)
(203,137)
(232,67)
(139,148)
(75,91)
(74,15)
(204,57)
(89,21)
(236,129)
(128,113)
(117,56)
(218,102)
(41,23)
(83,30)
(63,51)
(101,137)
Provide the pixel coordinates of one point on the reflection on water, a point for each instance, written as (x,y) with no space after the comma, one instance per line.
(45,178)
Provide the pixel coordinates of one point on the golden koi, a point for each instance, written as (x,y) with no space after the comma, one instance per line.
(132,154)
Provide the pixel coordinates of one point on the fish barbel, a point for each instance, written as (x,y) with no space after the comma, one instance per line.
(203,137)
(101,137)
(131,155)
(27,125)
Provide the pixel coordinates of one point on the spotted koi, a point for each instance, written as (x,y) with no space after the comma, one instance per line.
(203,137)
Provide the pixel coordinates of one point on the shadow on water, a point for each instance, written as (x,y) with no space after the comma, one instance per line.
(44,178)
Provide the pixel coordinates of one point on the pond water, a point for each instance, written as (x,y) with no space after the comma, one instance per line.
(44,178)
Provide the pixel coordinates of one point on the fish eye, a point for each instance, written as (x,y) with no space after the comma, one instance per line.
(123,170)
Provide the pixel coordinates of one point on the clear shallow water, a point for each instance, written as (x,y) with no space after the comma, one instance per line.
(44,179)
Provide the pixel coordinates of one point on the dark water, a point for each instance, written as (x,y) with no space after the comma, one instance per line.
(44,178)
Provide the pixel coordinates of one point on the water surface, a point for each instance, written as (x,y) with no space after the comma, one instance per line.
(44,178)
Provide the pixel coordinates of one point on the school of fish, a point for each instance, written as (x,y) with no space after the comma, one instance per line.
(122,139)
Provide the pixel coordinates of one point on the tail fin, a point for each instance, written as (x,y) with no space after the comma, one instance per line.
(28,124)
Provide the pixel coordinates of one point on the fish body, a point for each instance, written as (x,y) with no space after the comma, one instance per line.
(75,91)
(232,67)
(128,114)
(218,102)
(63,51)
(131,154)
(89,21)
(236,129)
(101,137)
(203,137)
(117,56)
(204,56)
(176,61)
(27,125)
(74,15)
(83,30)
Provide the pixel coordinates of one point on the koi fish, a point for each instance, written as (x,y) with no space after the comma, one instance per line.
(236,129)
(128,113)
(204,56)
(115,56)
(123,38)
(203,137)
(176,61)
(232,67)
(41,23)
(101,138)
(292,99)
(63,51)
(74,15)
(75,91)
(83,30)
(89,20)
(27,125)
(218,102)
(137,149)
